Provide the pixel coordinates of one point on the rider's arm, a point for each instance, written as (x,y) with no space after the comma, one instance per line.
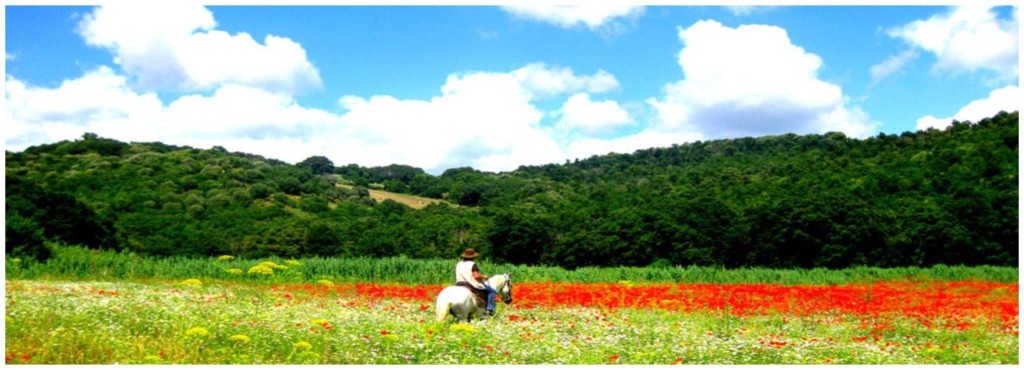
(476,273)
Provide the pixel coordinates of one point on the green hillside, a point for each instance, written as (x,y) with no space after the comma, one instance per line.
(914,199)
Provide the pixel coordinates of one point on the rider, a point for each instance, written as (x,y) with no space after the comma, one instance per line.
(467,271)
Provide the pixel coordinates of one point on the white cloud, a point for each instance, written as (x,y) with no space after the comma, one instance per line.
(745,81)
(891,65)
(237,111)
(752,81)
(481,119)
(175,47)
(967,38)
(100,101)
(594,15)
(545,81)
(1008,99)
(581,113)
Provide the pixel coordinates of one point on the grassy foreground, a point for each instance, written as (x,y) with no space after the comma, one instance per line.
(191,322)
(101,307)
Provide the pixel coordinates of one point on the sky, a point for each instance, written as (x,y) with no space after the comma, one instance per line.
(496,87)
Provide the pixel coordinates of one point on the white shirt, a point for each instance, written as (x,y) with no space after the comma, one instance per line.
(464,272)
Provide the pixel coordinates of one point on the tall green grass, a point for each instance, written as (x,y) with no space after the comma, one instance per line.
(84,264)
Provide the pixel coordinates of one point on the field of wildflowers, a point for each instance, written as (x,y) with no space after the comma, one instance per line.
(204,320)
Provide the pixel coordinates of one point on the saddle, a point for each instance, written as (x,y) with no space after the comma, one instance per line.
(479,294)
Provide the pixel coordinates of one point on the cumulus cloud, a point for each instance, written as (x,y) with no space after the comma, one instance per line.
(237,111)
(580,113)
(745,81)
(595,15)
(752,81)
(486,120)
(968,38)
(1007,99)
(99,101)
(175,47)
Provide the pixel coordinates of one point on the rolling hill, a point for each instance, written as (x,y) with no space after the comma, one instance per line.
(917,198)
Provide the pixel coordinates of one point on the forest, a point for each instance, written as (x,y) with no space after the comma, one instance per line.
(787,201)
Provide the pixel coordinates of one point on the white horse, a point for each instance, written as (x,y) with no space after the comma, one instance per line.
(459,301)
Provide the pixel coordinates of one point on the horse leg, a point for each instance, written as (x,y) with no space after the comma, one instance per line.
(443,308)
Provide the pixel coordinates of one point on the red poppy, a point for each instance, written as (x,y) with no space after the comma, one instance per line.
(877,302)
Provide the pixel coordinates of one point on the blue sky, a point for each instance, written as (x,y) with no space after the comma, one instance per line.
(494,88)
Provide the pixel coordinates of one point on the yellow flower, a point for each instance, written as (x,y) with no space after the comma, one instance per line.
(239,338)
(192,282)
(273,265)
(197,331)
(325,282)
(303,346)
(235,271)
(293,262)
(463,327)
(319,322)
(261,270)
(225,258)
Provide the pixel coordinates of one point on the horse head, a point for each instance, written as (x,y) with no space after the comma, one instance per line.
(504,286)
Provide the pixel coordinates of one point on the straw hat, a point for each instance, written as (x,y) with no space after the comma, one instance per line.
(470,253)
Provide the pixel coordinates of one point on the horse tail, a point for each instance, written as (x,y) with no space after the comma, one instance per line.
(443,306)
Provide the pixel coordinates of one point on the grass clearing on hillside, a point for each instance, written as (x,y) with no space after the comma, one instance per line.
(406,199)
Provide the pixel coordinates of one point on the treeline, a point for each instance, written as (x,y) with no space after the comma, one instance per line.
(914,199)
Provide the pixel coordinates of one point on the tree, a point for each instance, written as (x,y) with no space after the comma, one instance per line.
(60,217)
(318,164)
(518,238)
(24,238)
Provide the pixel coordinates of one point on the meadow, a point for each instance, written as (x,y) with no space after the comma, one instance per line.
(91,307)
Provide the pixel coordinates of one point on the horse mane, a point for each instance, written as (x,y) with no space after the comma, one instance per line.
(506,277)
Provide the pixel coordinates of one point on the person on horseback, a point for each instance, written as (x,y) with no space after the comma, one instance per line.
(468,273)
